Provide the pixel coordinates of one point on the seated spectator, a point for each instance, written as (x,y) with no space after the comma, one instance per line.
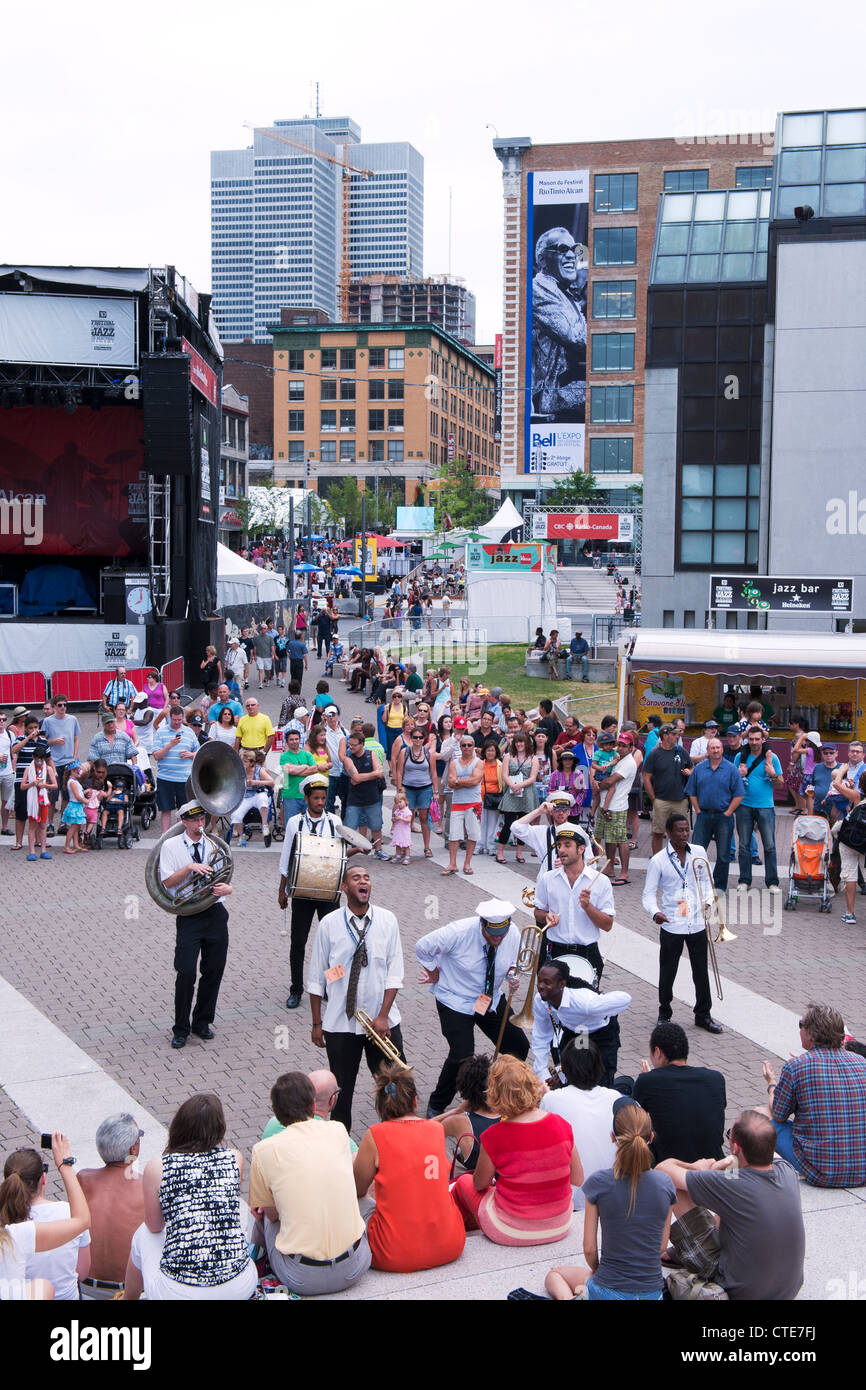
(302,1191)
(327,1093)
(686,1104)
(115,1195)
(21,1237)
(415,1224)
(587,1105)
(192,1244)
(760,1230)
(468,1121)
(520,1191)
(61,1266)
(634,1202)
(825,1091)
(257,783)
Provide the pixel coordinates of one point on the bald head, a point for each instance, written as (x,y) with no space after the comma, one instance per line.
(324,1084)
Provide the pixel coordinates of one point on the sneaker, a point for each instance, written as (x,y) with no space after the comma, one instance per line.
(267,840)
(380,854)
(848,919)
(774,888)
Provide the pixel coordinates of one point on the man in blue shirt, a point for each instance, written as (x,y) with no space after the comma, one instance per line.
(297,659)
(578,647)
(715,791)
(224,701)
(761,771)
(828,802)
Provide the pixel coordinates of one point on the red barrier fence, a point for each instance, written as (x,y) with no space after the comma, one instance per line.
(23,688)
(172,674)
(86,687)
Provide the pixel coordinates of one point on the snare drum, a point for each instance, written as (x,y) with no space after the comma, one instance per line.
(579,969)
(316,865)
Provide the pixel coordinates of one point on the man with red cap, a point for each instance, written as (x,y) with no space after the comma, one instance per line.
(612,821)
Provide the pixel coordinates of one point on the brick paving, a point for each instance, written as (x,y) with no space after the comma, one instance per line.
(85,944)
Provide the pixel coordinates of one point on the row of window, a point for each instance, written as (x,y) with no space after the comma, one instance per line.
(618,192)
(376,420)
(378,451)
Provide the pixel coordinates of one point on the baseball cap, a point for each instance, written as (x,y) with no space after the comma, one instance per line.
(711,724)
(828,748)
(627,739)
(196,719)
(108,717)
(459,722)
(623,1101)
(139,699)
(606,738)
(301,713)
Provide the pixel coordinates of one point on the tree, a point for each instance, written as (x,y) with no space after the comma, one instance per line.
(460,497)
(343,503)
(574,490)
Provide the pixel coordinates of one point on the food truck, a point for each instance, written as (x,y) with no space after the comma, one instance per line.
(686,674)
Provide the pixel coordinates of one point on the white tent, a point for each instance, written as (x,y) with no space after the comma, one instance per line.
(505,520)
(240,582)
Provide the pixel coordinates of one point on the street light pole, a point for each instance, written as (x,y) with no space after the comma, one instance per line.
(363,609)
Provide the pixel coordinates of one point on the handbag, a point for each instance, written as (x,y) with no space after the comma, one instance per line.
(434,812)
(491,800)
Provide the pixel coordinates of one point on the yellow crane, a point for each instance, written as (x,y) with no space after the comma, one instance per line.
(347,169)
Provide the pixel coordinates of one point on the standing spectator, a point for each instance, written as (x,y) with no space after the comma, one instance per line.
(549,721)
(293,700)
(715,791)
(492,788)
(281,654)
(118,688)
(224,701)
(115,1196)
(23,749)
(235,661)
(324,630)
(665,773)
(248,646)
(263,645)
(156,695)
(395,715)
(761,771)
(298,657)
(698,747)
(254,730)
(37,784)
(211,668)
(336,737)
(416,775)
(61,732)
(852,858)
(520,773)
(825,1091)
(465,773)
(686,1104)
(613,810)
(363,804)
(447,747)
(726,712)
(7,773)
(829,802)
(297,764)
(173,750)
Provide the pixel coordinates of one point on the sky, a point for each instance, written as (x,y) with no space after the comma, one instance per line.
(108,113)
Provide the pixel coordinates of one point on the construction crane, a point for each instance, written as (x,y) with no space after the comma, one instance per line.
(347,169)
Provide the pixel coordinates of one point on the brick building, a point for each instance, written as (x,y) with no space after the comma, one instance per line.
(624,181)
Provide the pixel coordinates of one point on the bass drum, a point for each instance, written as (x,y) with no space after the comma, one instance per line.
(580,971)
(316,868)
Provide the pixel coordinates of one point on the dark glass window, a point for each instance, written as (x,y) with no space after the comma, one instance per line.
(347,390)
(613,299)
(328,451)
(347,451)
(760,176)
(296,421)
(329,359)
(377,357)
(375,419)
(329,419)
(347,359)
(613,352)
(395,389)
(376,450)
(376,388)
(296,451)
(395,419)
(612,405)
(296,390)
(615,193)
(614,245)
(328,389)
(347,419)
(686,180)
(611,455)
(296,359)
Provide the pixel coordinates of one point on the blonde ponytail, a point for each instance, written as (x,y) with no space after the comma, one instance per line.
(633,1130)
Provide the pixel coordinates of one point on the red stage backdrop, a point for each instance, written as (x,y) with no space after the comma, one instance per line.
(87,467)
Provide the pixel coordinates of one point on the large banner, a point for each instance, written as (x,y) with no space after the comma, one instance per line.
(557,242)
(511,559)
(84,473)
(415,519)
(748,593)
(68,330)
(583,526)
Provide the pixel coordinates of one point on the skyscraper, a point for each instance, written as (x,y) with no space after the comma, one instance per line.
(276,219)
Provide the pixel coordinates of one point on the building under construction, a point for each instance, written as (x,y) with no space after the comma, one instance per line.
(440,299)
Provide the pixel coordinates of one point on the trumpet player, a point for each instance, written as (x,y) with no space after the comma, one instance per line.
(356,964)
(466,963)
(181,858)
(562,1012)
(574,902)
(680,918)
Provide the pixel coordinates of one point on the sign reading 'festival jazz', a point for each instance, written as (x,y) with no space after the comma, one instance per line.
(68,330)
(557,238)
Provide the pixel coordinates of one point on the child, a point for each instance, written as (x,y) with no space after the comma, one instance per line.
(117,800)
(74,814)
(401,836)
(335,654)
(38,780)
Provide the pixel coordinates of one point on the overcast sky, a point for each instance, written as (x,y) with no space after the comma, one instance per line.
(109,112)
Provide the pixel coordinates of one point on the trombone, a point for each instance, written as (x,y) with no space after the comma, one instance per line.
(711,910)
(528,955)
(384,1045)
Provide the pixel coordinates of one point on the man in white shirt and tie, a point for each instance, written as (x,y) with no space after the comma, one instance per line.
(681,917)
(562,1013)
(182,858)
(466,963)
(356,964)
(573,902)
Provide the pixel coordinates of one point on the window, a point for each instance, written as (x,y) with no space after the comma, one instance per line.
(613,299)
(328,389)
(328,451)
(687,180)
(347,420)
(296,359)
(395,389)
(377,357)
(614,246)
(376,389)
(329,419)
(755,177)
(329,359)
(296,451)
(613,352)
(395,419)
(347,390)
(615,193)
(610,455)
(296,390)
(612,405)
(375,419)
(296,422)
(347,359)
(395,451)
(395,359)
(376,450)
(347,451)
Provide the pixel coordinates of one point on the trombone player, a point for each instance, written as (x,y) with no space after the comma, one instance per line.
(182,858)
(356,966)
(681,917)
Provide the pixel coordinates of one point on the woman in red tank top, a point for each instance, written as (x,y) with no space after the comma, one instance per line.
(415,1224)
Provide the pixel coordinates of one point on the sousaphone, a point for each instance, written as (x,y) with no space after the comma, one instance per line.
(217,780)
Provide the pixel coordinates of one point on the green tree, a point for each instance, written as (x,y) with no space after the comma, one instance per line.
(573,490)
(343,503)
(460,497)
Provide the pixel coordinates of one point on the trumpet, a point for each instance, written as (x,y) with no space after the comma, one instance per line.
(385,1045)
(711,910)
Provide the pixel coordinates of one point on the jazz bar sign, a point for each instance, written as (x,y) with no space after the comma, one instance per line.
(780,594)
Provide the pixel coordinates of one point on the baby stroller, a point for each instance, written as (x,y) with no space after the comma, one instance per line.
(144,805)
(809,871)
(119,806)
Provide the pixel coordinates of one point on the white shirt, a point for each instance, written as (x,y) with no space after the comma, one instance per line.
(14,1256)
(678,885)
(459,951)
(553,893)
(590,1114)
(144,733)
(334,944)
(698,747)
(326,824)
(626,768)
(540,839)
(59,1266)
(176,853)
(580,1011)
(333,738)
(5,755)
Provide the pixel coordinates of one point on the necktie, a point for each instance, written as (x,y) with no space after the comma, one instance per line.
(359,960)
(489,972)
(196,853)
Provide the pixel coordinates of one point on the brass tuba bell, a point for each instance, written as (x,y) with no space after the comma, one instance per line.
(217,780)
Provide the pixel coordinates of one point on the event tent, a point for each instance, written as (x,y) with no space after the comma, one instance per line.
(506,520)
(240,582)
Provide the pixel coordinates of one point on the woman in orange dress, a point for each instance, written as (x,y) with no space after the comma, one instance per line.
(415,1224)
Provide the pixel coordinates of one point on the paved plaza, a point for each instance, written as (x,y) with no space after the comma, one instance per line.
(86,1013)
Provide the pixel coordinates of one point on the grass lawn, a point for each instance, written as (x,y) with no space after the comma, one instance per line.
(505,667)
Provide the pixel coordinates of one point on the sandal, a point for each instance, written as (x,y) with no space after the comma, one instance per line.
(428,854)
(70,851)
(520,859)
(467,871)
(446,872)
(619,882)
(12,848)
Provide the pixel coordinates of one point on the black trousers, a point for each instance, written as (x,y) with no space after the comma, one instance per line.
(671,947)
(561,948)
(459,1033)
(323,641)
(345,1051)
(296,671)
(206,934)
(303,912)
(607,1041)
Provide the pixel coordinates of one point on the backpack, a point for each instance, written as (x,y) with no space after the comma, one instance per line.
(852,831)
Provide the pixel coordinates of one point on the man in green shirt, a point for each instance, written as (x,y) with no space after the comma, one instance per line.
(297,762)
(413,680)
(326,1089)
